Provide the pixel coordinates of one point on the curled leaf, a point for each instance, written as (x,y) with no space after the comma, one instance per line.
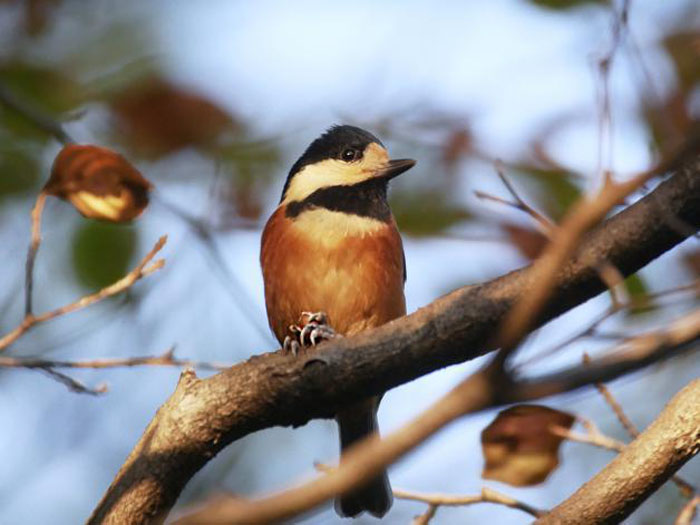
(519,448)
(156,117)
(99,182)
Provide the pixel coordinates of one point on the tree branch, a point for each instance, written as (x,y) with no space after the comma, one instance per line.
(686,488)
(646,463)
(481,390)
(141,270)
(31,253)
(38,118)
(487,495)
(166,359)
(203,416)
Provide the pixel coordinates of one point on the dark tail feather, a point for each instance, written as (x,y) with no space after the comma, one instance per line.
(375,497)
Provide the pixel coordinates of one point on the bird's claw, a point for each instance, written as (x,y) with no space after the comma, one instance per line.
(290,344)
(312,329)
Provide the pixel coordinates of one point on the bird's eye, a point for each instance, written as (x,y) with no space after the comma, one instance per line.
(350,154)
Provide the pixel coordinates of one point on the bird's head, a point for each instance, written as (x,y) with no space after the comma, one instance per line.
(343,158)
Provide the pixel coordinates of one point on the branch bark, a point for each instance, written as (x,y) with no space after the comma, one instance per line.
(203,416)
(642,466)
(483,389)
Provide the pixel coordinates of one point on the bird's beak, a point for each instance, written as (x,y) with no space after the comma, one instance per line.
(394,168)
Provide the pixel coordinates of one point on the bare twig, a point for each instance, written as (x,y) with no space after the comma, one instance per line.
(545,225)
(687,513)
(166,359)
(605,128)
(487,495)
(39,119)
(646,463)
(564,239)
(424,519)
(686,488)
(73,384)
(215,511)
(33,249)
(626,423)
(203,232)
(591,329)
(592,436)
(614,280)
(141,270)
(436,500)
(583,215)
(610,275)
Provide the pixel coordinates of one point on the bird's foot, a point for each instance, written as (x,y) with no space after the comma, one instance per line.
(311,329)
(291,345)
(315,328)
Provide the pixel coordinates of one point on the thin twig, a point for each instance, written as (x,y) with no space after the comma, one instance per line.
(487,495)
(605,127)
(584,214)
(591,329)
(39,119)
(450,500)
(668,443)
(564,240)
(141,270)
(610,275)
(685,487)
(435,500)
(518,205)
(592,436)
(31,253)
(604,391)
(687,513)
(73,384)
(615,281)
(424,519)
(546,224)
(203,233)
(166,359)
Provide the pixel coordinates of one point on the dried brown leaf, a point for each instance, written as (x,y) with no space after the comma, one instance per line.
(158,118)
(519,448)
(99,182)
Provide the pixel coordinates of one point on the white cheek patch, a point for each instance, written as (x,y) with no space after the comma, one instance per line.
(330,172)
(331,227)
(333,172)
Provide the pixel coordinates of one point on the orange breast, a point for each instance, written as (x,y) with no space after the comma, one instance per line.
(357,279)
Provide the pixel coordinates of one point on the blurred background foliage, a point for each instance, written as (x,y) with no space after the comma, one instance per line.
(107,73)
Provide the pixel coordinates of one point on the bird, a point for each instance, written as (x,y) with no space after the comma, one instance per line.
(333,264)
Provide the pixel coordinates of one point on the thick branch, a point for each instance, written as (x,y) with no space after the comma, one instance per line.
(651,459)
(203,416)
(483,389)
